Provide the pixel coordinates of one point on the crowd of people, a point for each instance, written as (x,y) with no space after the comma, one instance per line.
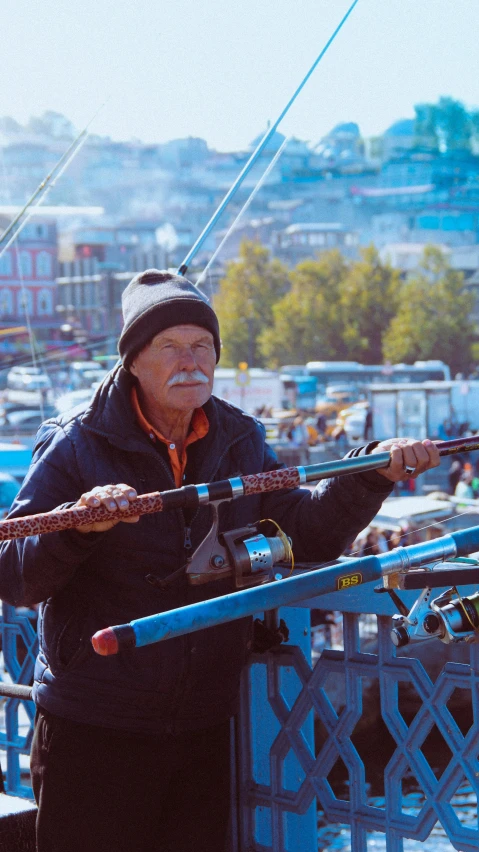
(464,479)
(304,430)
(374,541)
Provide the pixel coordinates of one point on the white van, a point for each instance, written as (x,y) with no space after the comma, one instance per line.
(28,379)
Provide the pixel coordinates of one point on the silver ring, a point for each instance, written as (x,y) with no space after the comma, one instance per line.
(408,469)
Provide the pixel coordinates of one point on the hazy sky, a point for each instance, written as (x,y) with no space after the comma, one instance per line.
(220,69)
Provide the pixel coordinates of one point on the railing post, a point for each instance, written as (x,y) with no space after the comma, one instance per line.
(19,646)
(276,809)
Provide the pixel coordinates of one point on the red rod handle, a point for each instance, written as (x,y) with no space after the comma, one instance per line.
(458,445)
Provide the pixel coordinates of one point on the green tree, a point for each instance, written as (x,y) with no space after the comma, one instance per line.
(335,310)
(433,317)
(425,127)
(368,302)
(306,321)
(454,124)
(446,125)
(244,303)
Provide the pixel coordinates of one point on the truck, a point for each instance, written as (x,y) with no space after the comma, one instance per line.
(424,410)
(251,389)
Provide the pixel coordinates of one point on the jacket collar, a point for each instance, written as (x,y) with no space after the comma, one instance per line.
(111,414)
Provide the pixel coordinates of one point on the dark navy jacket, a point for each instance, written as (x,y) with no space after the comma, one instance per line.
(87,582)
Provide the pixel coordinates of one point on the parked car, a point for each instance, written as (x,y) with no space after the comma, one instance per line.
(93,378)
(24,421)
(15,458)
(353,420)
(28,379)
(84,373)
(334,401)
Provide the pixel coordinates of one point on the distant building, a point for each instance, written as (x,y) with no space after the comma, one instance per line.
(398,138)
(465,259)
(308,239)
(181,153)
(27,280)
(88,293)
(121,245)
(258,230)
(396,189)
(406,256)
(472,285)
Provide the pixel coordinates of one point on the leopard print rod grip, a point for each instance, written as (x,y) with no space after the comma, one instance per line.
(274,480)
(64,519)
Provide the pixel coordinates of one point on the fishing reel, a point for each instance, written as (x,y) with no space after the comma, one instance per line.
(448,617)
(245,555)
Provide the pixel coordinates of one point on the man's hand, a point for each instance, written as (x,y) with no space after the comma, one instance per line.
(409,458)
(111,497)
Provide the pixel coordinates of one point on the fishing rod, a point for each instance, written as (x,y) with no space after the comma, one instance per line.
(241,213)
(449,617)
(193,496)
(28,215)
(452,619)
(46,184)
(182,269)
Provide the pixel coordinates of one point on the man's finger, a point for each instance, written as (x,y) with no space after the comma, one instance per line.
(128,491)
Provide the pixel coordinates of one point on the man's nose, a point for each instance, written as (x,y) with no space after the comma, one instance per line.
(187,357)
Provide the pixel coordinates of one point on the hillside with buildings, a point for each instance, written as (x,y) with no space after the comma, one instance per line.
(122,206)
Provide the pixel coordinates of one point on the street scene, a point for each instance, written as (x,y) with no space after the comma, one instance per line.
(239,427)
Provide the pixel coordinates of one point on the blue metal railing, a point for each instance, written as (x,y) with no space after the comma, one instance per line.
(287,768)
(19,648)
(297,729)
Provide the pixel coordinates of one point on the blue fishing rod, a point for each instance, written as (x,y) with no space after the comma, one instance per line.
(257,152)
(346,575)
(16,225)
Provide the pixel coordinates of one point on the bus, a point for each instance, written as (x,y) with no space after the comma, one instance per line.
(358,376)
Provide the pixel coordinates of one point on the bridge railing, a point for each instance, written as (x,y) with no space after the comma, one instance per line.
(340,734)
(19,650)
(334,747)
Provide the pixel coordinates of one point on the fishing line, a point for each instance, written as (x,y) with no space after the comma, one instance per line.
(243,210)
(49,181)
(23,290)
(40,201)
(408,533)
(182,269)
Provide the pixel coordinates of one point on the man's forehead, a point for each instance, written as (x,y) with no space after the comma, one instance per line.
(186,331)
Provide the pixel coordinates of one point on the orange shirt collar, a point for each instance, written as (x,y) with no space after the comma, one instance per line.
(199,427)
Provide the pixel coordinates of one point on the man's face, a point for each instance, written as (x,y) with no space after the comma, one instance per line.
(176,369)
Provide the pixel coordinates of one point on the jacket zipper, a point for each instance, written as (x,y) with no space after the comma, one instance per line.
(187,541)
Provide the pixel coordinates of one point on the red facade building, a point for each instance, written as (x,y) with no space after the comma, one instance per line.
(27,285)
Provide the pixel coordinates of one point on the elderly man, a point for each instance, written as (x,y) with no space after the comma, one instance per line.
(131,752)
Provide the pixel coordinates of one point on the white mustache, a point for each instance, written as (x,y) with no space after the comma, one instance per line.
(184,377)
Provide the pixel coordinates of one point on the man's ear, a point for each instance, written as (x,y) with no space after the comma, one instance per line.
(132,369)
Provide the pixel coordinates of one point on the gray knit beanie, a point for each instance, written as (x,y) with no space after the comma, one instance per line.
(155,300)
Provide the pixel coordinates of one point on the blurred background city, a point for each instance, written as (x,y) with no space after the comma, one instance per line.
(345,271)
